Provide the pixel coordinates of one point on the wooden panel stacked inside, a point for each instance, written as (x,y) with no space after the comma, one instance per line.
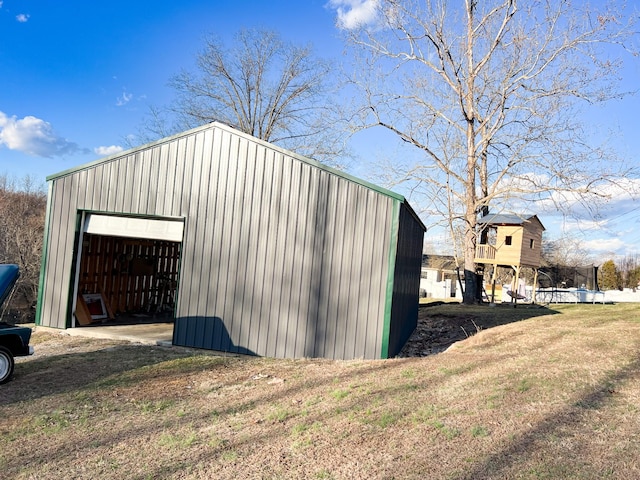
(133,275)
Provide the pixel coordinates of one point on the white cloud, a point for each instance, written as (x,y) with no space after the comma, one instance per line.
(106,151)
(33,136)
(604,245)
(124,99)
(355,13)
(22,17)
(1,2)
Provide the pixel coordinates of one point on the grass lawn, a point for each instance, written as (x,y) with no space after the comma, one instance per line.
(547,394)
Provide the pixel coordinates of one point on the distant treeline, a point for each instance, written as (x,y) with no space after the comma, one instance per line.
(22,211)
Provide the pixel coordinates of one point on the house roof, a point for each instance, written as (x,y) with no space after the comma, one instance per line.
(509,219)
(439,262)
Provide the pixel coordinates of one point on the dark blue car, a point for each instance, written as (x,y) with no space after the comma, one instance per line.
(14,340)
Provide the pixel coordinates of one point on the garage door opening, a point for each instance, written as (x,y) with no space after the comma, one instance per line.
(123,278)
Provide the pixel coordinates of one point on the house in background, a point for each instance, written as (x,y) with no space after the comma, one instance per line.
(439,277)
(514,242)
(246,247)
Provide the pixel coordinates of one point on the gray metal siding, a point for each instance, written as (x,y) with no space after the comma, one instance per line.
(280,257)
(59,260)
(286,279)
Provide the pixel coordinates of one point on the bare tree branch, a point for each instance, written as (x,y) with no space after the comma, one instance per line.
(490,93)
(264,86)
(22,211)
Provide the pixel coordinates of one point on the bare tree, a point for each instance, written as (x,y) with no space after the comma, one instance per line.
(22,211)
(568,251)
(629,268)
(488,93)
(262,85)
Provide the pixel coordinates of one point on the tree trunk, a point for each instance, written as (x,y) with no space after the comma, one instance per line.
(470,279)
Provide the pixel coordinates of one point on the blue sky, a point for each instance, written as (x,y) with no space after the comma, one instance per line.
(77,78)
(87,71)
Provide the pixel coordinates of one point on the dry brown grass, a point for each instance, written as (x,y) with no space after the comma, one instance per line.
(553,396)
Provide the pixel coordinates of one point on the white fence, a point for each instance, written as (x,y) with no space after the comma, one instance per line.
(569,295)
(449,289)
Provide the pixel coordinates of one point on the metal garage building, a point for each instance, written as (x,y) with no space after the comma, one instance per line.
(251,249)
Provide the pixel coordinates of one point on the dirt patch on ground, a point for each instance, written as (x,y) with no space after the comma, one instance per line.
(435,333)
(441,325)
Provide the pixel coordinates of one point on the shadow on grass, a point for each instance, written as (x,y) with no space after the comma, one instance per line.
(440,325)
(56,374)
(574,416)
(204,452)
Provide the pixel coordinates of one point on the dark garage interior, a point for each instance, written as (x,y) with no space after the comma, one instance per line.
(126,280)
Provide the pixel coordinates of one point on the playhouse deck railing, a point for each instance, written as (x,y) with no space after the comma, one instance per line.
(485,252)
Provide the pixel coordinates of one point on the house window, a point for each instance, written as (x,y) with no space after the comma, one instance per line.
(532,243)
(507,240)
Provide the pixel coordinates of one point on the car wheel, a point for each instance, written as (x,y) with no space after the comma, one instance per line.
(6,365)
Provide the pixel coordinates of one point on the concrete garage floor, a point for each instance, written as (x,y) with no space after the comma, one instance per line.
(146,333)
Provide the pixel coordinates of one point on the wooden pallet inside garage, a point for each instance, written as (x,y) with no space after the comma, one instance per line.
(133,275)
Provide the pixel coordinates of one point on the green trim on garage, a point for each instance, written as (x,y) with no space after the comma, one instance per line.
(391,263)
(45,251)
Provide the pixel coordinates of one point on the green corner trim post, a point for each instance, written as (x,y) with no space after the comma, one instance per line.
(45,250)
(391,269)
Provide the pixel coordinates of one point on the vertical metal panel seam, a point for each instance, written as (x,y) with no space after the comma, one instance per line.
(365,275)
(54,254)
(77,239)
(298,263)
(161,186)
(355,269)
(391,262)
(198,211)
(213,193)
(235,243)
(110,186)
(344,284)
(381,228)
(276,267)
(246,232)
(61,254)
(223,290)
(257,206)
(287,257)
(291,257)
(45,252)
(172,162)
(74,193)
(317,256)
(328,260)
(203,144)
(371,205)
(264,247)
(191,228)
